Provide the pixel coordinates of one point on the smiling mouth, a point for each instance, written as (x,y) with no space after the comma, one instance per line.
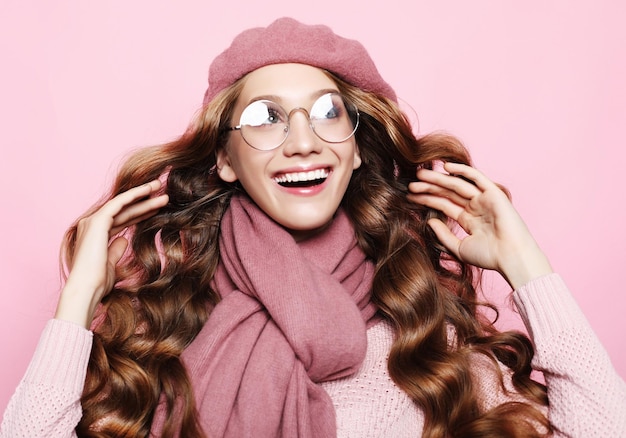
(302,179)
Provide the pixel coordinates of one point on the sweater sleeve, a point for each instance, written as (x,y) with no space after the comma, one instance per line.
(587,398)
(46,402)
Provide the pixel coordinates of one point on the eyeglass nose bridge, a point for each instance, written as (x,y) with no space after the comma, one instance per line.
(287,128)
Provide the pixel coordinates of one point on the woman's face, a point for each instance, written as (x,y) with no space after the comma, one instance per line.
(305,206)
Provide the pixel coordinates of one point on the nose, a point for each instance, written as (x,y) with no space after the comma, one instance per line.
(300,139)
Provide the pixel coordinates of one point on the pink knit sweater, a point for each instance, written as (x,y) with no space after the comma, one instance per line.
(587,397)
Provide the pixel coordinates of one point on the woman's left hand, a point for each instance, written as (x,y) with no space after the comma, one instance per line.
(497,237)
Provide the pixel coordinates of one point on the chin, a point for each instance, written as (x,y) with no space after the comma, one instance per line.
(302,231)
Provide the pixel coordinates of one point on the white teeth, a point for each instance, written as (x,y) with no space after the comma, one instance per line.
(311,175)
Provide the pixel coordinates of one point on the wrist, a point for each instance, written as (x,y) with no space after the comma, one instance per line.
(76,306)
(525,266)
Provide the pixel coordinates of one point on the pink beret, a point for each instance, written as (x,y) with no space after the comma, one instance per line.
(287,40)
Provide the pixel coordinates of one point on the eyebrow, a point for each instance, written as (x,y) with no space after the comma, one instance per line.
(278,99)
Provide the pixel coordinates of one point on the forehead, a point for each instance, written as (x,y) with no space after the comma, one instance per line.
(292,83)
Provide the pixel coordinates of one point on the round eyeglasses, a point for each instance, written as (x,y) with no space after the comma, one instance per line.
(264,125)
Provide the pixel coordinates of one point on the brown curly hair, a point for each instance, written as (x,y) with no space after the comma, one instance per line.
(163,295)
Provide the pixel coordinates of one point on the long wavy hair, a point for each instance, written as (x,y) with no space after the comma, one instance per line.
(163,295)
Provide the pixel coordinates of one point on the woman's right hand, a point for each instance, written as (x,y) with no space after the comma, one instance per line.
(92,273)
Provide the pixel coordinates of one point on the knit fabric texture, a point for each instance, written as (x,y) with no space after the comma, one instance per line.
(286,321)
(289,41)
(587,397)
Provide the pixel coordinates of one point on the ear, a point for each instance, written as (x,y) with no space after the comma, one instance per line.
(225,169)
(357,158)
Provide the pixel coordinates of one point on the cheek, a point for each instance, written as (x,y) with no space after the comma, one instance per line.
(249,169)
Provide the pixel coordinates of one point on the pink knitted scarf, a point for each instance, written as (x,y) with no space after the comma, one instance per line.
(291,315)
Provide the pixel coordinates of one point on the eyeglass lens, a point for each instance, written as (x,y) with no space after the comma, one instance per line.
(264,124)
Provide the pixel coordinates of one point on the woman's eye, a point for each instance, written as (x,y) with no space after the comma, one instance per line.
(273,116)
(261,113)
(329,106)
(332,113)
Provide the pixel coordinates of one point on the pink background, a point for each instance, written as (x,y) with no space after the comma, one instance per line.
(536,90)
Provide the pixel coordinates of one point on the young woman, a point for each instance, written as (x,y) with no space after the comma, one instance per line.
(291,272)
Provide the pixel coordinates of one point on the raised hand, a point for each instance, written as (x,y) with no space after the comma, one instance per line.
(92,273)
(497,237)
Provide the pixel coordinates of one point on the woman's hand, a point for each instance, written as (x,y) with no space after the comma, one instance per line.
(497,237)
(92,273)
